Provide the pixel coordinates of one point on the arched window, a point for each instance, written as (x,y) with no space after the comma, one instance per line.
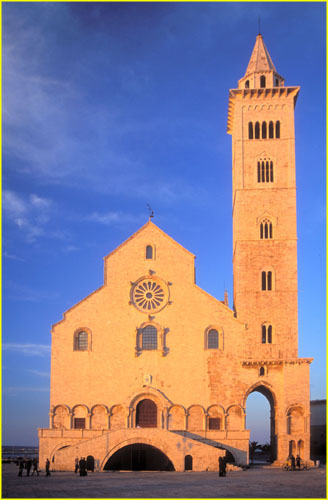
(277,130)
(264,130)
(262,371)
(270,130)
(81,341)
(250,130)
(266,334)
(247,84)
(149,338)
(266,280)
(262,82)
(276,82)
(149,252)
(213,339)
(271,171)
(146,414)
(266,230)
(257,130)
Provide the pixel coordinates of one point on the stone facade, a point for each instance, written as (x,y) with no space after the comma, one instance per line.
(151,363)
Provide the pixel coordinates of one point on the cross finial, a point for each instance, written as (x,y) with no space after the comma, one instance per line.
(259,22)
(151,212)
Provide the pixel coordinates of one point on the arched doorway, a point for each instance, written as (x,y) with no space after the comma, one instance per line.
(188,462)
(139,456)
(260,419)
(146,414)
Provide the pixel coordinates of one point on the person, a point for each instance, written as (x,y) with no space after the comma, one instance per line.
(20,466)
(83,467)
(292,458)
(220,466)
(28,465)
(35,466)
(298,461)
(76,465)
(224,466)
(48,467)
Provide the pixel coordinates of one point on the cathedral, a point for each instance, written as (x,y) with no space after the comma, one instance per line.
(166,367)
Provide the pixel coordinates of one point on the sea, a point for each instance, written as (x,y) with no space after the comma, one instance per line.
(13,452)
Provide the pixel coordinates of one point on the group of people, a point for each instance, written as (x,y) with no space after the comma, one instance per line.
(81,466)
(222,466)
(294,463)
(27,464)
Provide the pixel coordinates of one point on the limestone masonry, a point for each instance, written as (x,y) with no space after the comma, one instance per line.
(166,367)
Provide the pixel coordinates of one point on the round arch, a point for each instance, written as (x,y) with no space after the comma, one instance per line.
(147,450)
(265,389)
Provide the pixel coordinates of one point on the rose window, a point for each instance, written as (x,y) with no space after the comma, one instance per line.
(150,295)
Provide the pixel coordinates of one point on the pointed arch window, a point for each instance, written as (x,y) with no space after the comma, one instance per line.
(264,130)
(278,130)
(262,82)
(266,230)
(250,130)
(271,130)
(266,280)
(247,84)
(266,334)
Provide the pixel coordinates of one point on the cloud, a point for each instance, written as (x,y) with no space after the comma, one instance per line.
(28,349)
(111,218)
(30,214)
(39,373)
(18,292)
(8,255)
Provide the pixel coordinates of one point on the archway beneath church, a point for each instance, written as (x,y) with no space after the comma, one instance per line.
(260,420)
(139,456)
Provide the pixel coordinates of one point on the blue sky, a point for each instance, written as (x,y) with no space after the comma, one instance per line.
(108,107)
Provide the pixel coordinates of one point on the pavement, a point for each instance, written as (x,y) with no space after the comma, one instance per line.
(258,482)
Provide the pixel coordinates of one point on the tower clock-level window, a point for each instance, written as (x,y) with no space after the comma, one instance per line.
(266,280)
(262,82)
(149,338)
(81,341)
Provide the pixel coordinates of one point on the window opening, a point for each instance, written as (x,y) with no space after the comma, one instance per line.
(278,130)
(264,130)
(214,423)
(261,371)
(213,339)
(82,341)
(149,338)
(250,130)
(247,84)
(146,414)
(79,423)
(257,130)
(149,252)
(271,130)
(262,82)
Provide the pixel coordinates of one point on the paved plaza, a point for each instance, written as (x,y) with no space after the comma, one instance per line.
(252,483)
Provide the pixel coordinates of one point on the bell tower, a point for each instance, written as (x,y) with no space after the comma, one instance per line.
(261,122)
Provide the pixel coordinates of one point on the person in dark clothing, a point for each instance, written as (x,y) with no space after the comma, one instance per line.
(35,466)
(28,465)
(76,465)
(292,458)
(224,466)
(83,467)
(20,467)
(298,461)
(48,467)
